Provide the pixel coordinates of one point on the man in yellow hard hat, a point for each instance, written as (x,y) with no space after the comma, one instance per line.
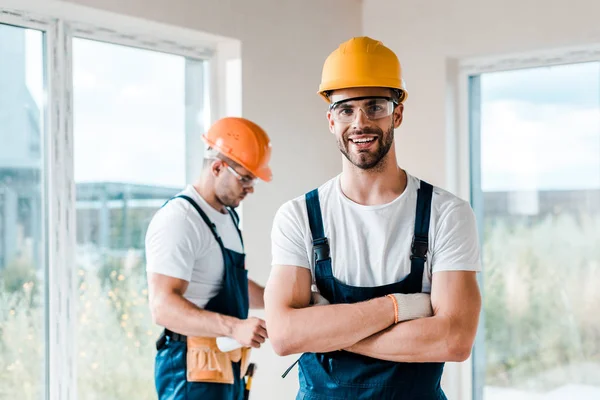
(374,272)
(199,287)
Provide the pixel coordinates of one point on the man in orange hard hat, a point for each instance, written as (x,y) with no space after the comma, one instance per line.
(374,272)
(199,287)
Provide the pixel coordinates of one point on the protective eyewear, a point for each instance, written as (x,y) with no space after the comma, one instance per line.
(374,108)
(246,181)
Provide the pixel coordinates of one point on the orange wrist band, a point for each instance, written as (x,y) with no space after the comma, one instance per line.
(391,296)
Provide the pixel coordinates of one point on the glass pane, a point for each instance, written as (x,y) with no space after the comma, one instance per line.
(540,214)
(130,157)
(22,260)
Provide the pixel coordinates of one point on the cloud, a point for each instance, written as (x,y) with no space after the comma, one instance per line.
(129,115)
(572,84)
(539,146)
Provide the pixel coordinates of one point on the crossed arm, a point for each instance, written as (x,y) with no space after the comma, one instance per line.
(446,336)
(366,328)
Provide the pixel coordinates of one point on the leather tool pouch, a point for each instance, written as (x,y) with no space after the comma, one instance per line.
(206,363)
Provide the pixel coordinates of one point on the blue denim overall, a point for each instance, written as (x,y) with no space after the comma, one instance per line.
(232,300)
(345,375)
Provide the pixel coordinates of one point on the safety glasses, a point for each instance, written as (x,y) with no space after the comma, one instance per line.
(245,181)
(374,108)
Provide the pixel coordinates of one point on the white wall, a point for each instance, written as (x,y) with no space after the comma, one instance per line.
(428,35)
(284,44)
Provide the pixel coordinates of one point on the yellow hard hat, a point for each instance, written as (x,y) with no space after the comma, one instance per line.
(362,62)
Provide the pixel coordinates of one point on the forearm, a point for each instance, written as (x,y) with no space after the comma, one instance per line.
(435,339)
(256,294)
(179,315)
(328,328)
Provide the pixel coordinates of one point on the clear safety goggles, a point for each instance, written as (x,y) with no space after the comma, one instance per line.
(245,181)
(374,108)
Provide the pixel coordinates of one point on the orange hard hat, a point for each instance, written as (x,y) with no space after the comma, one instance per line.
(362,62)
(244,142)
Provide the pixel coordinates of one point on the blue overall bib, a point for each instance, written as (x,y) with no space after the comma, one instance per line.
(345,375)
(232,300)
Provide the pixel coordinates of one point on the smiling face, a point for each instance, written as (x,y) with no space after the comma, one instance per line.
(363,121)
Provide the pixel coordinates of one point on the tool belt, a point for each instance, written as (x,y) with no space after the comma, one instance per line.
(206,363)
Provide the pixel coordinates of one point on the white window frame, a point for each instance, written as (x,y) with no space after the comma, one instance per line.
(61,22)
(459,377)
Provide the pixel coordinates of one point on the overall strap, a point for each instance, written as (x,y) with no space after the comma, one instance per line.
(315,220)
(319,241)
(420,243)
(175,336)
(236,219)
(208,222)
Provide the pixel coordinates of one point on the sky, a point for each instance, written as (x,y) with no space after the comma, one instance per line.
(540,127)
(129,115)
(129,112)
(34,65)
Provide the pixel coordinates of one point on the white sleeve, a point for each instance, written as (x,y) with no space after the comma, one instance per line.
(288,237)
(456,245)
(170,245)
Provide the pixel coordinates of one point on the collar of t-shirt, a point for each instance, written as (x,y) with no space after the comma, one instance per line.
(410,186)
(214,215)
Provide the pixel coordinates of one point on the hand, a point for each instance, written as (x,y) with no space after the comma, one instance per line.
(251,332)
(413,306)
(317,300)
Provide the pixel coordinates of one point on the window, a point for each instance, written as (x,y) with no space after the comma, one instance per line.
(535,157)
(22,256)
(100,124)
(130,157)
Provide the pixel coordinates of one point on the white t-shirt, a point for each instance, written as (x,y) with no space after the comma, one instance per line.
(371,245)
(180,244)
